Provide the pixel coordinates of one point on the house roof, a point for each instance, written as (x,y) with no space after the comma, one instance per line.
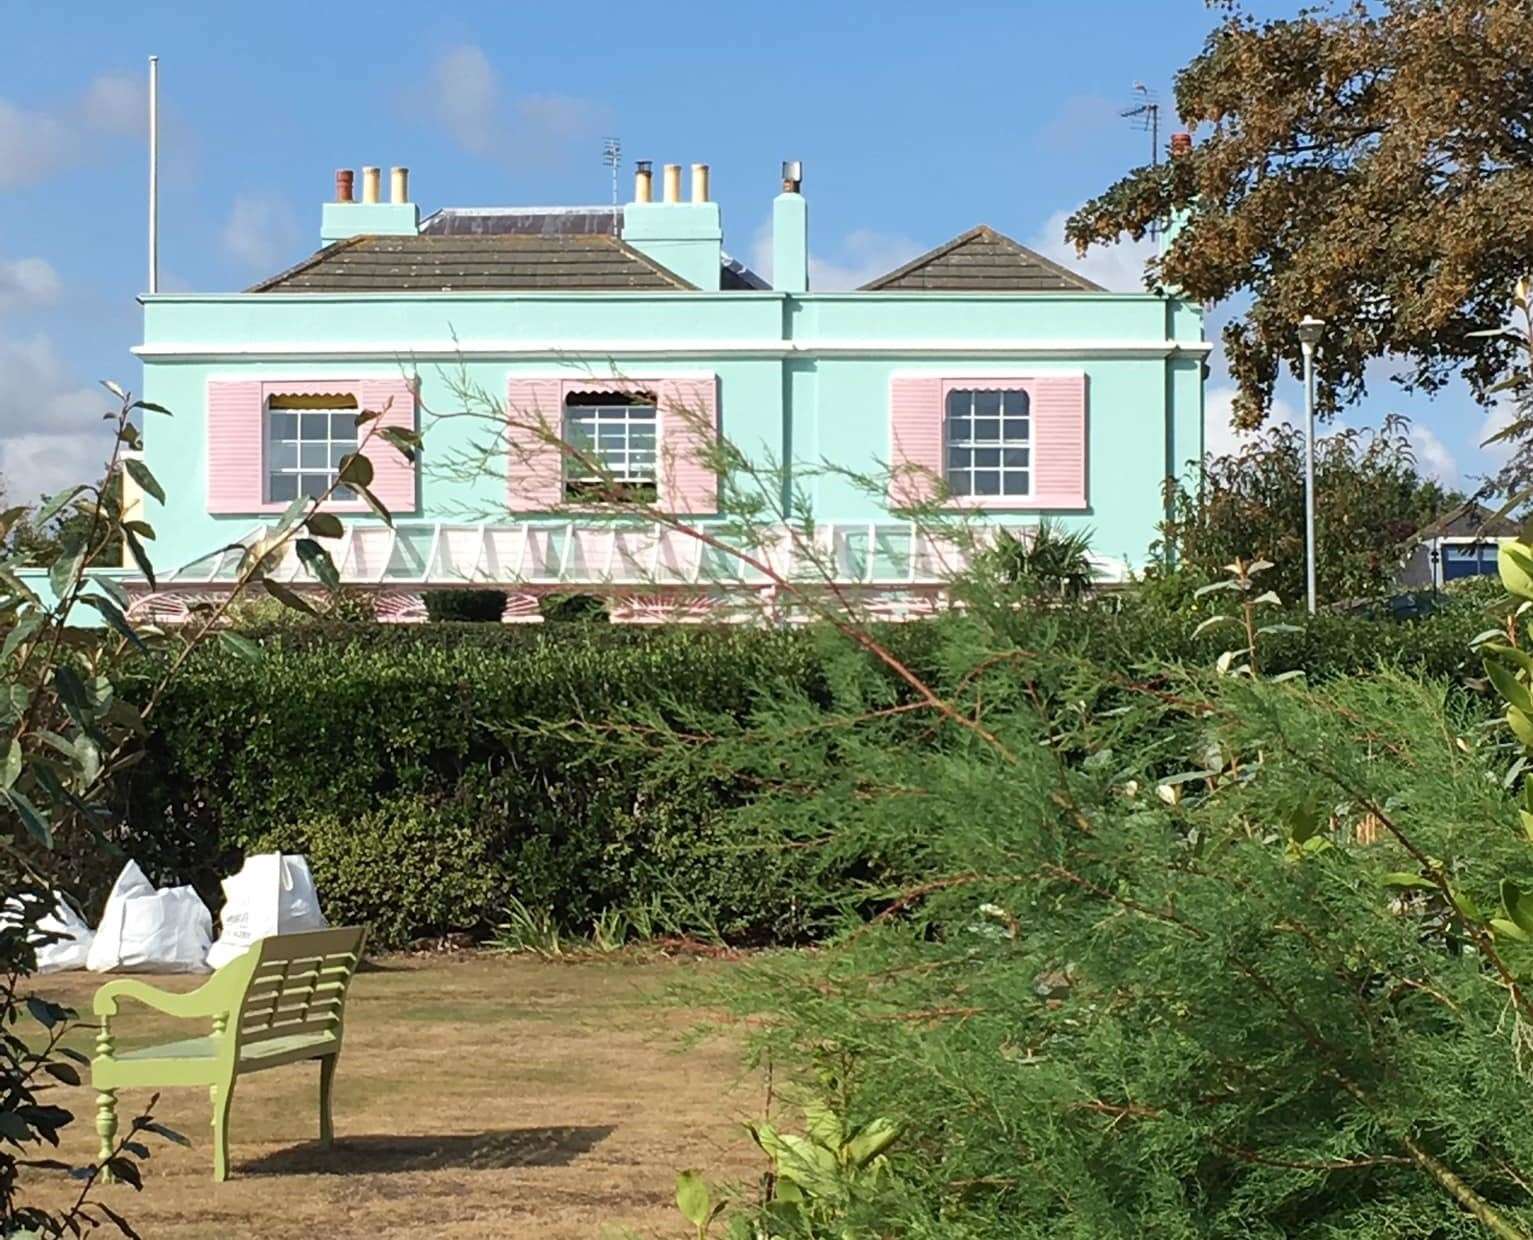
(468,262)
(1471,520)
(983,261)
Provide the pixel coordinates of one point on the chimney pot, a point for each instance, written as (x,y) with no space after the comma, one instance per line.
(371,182)
(344,178)
(399,184)
(699,182)
(1181,144)
(673,183)
(643,182)
(792,175)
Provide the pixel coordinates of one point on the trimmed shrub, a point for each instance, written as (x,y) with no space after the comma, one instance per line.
(484,606)
(410,868)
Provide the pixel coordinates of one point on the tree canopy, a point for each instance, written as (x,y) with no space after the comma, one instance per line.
(1371,166)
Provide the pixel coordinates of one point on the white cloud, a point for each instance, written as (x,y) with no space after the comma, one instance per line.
(1119,267)
(51,432)
(1220,438)
(116,103)
(862,255)
(26,283)
(33,145)
(465,94)
(261,231)
(1433,456)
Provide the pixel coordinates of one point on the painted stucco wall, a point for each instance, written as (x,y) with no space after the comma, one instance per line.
(801,377)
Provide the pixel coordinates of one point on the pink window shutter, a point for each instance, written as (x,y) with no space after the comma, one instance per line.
(1059,442)
(689,422)
(915,440)
(236,447)
(534,462)
(394,475)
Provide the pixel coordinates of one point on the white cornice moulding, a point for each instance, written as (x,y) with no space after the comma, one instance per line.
(281,351)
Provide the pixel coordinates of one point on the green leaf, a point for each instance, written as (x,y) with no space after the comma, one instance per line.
(1305,819)
(376,505)
(1521,724)
(20,632)
(325,525)
(1514,564)
(1508,685)
(62,1072)
(10,767)
(136,550)
(1210,588)
(1518,904)
(356,470)
(876,1136)
(151,407)
(824,1125)
(14,700)
(115,389)
(291,513)
(71,690)
(692,1198)
(406,443)
(1509,930)
(65,570)
(141,474)
(288,598)
(242,646)
(1212,622)
(1404,878)
(52,505)
(115,618)
(317,560)
(34,819)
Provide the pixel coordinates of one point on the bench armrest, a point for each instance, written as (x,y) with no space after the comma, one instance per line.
(219,994)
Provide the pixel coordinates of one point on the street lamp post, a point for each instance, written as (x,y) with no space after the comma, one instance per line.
(1310,329)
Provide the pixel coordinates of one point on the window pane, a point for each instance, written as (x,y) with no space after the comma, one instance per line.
(343,426)
(987,404)
(284,426)
(960,458)
(642,412)
(958,403)
(987,430)
(283,487)
(987,458)
(343,493)
(339,450)
(1015,402)
(612,436)
(283,456)
(987,482)
(959,429)
(1015,458)
(1016,483)
(313,485)
(1016,429)
(314,456)
(641,438)
(314,425)
(959,484)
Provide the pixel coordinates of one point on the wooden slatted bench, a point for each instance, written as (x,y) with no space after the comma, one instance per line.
(282,1002)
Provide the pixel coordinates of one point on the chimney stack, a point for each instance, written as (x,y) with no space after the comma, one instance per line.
(371,183)
(699,182)
(643,182)
(673,183)
(345,217)
(399,184)
(344,179)
(790,232)
(1181,144)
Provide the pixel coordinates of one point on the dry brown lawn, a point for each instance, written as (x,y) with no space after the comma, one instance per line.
(477,1096)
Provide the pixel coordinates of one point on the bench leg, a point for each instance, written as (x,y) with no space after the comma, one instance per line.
(326,1086)
(106,1129)
(221,1096)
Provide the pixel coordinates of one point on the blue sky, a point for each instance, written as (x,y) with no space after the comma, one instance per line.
(914,123)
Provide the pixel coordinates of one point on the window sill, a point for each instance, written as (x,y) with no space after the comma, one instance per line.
(1017,503)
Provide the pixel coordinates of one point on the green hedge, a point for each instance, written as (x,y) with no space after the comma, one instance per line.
(432,771)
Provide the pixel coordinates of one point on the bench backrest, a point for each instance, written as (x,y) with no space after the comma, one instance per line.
(298,985)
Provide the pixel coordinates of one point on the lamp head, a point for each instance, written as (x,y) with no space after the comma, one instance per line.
(1310,330)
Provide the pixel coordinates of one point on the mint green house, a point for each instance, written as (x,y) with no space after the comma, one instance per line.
(980,377)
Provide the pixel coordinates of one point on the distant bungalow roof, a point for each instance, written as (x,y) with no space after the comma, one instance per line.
(1471,520)
(983,261)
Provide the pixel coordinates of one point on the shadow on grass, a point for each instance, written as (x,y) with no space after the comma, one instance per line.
(478,1151)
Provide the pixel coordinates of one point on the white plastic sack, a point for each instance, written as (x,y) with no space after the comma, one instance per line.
(68,952)
(272,894)
(144,930)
